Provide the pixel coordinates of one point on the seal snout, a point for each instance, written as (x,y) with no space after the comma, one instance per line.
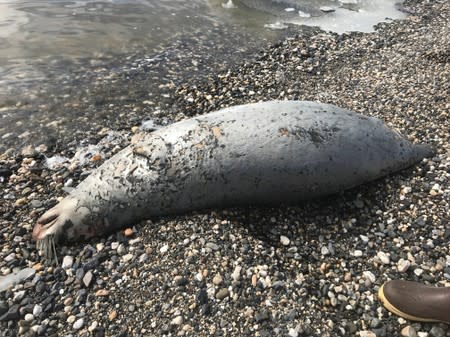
(44,224)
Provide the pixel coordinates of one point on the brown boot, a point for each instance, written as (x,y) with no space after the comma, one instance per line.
(415,301)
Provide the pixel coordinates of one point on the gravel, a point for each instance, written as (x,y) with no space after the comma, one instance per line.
(308,270)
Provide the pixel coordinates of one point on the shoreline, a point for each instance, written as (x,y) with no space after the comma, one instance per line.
(232,272)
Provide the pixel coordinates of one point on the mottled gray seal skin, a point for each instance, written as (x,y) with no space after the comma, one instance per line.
(257,154)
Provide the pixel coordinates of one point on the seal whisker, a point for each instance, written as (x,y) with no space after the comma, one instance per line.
(47,248)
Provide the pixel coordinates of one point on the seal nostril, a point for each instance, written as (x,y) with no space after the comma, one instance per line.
(45,219)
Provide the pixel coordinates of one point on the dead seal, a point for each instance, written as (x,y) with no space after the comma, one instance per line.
(255,154)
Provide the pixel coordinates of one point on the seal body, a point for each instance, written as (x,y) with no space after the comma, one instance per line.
(256,154)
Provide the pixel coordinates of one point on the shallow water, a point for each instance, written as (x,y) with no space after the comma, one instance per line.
(35,35)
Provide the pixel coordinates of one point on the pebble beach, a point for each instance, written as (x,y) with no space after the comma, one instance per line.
(312,269)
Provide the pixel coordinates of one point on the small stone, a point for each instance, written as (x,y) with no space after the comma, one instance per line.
(67,262)
(366,333)
(68,183)
(202,296)
(236,275)
(403,265)
(121,249)
(93,326)
(222,293)
(28,151)
(254,280)
(102,293)
(18,296)
(347,276)
(87,278)
(21,201)
(293,332)
(128,232)
(143,258)
(100,246)
(180,281)
(127,257)
(364,238)
(261,315)
(78,324)
(284,240)
(324,250)
(437,331)
(357,253)
(68,301)
(418,271)
(369,276)
(384,258)
(37,310)
(114,245)
(112,315)
(213,246)
(71,319)
(177,320)
(29,317)
(408,331)
(217,279)
(164,249)
(11,314)
(3,307)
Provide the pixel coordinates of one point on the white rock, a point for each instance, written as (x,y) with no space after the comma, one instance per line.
(369,276)
(384,258)
(284,240)
(292,332)
(29,317)
(366,333)
(403,265)
(177,320)
(78,324)
(37,310)
(18,295)
(127,257)
(408,331)
(236,275)
(357,253)
(67,262)
(418,271)
(164,249)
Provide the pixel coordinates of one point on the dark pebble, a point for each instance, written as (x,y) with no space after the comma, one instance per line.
(3,307)
(202,296)
(261,315)
(11,314)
